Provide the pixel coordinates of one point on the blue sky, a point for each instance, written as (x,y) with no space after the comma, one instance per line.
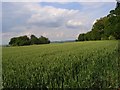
(55,20)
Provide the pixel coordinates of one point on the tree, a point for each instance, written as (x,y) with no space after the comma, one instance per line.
(13,41)
(105,28)
(19,41)
(81,37)
(24,40)
(44,40)
(34,40)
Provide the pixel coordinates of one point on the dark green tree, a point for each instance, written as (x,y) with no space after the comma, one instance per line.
(44,40)
(81,37)
(19,41)
(105,28)
(24,40)
(34,40)
(13,41)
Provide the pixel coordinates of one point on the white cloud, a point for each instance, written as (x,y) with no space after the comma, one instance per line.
(74,24)
(94,21)
(51,16)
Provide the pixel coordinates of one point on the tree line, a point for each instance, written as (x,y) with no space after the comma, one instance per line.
(24,40)
(105,28)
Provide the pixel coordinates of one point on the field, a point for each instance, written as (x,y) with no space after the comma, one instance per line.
(92,64)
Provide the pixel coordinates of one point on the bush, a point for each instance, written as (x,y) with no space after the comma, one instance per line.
(111,37)
(104,38)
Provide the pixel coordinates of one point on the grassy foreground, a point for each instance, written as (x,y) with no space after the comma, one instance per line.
(92,64)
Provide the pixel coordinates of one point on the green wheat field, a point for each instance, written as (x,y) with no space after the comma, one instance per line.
(89,64)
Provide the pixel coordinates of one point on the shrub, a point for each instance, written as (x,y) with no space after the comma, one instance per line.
(111,37)
(104,38)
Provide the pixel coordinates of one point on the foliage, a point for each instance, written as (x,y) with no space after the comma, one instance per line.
(44,40)
(105,27)
(92,64)
(24,40)
(19,41)
(81,37)
(34,40)
(104,38)
(111,37)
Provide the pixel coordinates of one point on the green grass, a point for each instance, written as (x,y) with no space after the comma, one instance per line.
(92,64)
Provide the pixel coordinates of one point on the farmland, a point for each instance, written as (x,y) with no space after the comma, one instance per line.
(90,64)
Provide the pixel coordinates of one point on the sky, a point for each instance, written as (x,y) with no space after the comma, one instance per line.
(58,21)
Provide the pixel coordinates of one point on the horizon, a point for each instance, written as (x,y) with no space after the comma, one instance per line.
(54,20)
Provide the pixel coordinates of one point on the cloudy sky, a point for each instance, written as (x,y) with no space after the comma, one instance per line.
(55,20)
